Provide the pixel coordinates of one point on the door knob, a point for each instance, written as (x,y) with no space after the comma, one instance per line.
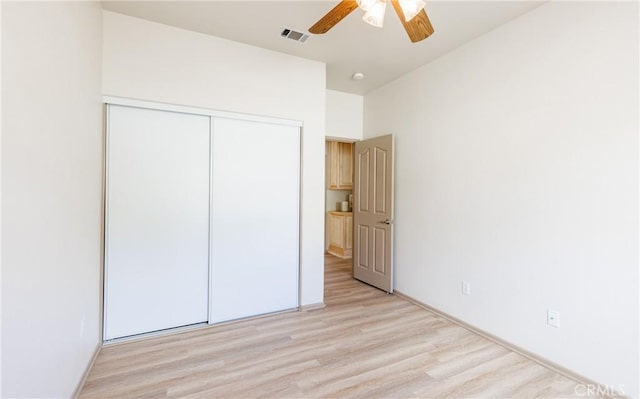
(385,221)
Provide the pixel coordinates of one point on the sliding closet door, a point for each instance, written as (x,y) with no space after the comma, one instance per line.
(255,218)
(157,221)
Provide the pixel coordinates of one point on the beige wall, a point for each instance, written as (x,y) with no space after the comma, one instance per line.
(155,62)
(517,170)
(51,195)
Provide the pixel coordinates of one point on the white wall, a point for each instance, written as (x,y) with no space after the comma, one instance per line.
(0,201)
(151,61)
(344,115)
(51,195)
(517,170)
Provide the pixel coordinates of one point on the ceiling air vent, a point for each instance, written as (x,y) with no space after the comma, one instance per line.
(293,35)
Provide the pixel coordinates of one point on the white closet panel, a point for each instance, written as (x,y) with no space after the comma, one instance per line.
(255,217)
(157,221)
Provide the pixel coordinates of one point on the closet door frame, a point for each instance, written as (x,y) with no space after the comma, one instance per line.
(197,111)
(212,114)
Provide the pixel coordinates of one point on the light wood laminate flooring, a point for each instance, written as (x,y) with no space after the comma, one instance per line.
(364,343)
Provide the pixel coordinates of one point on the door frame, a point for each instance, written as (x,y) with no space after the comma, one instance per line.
(326,181)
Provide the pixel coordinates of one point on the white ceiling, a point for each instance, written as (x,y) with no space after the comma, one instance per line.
(351,46)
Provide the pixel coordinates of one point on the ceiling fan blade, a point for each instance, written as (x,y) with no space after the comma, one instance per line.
(334,16)
(419,28)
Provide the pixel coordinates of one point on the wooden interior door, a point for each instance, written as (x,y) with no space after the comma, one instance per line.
(373,212)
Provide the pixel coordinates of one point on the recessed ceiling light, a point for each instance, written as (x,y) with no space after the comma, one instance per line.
(357,76)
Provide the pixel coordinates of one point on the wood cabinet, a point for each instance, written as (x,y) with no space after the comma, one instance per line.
(341,234)
(340,165)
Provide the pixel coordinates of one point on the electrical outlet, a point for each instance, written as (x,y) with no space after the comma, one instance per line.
(466,288)
(553,318)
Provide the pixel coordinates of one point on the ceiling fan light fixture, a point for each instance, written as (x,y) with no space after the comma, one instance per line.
(417,26)
(365,4)
(375,15)
(411,8)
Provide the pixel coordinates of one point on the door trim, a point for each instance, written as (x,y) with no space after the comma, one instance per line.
(185,109)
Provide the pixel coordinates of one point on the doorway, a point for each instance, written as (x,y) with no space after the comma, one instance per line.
(339,164)
(364,236)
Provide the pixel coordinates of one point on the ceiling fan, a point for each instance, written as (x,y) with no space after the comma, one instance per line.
(411,14)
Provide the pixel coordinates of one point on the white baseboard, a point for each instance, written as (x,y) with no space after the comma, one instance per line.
(508,345)
(87,371)
(313,306)
(192,327)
